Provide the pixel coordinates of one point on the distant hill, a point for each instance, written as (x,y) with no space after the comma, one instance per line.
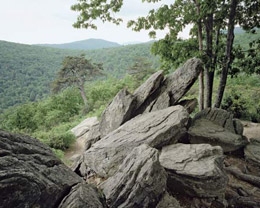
(88,44)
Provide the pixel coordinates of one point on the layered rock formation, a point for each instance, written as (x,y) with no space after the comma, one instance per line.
(146,152)
(32,176)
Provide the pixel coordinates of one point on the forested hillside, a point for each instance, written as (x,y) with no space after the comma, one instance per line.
(27,71)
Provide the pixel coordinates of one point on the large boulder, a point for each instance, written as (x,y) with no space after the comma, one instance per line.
(144,93)
(139,182)
(217,127)
(194,169)
(156,129)
(31,175)
(179,82)
(117,112)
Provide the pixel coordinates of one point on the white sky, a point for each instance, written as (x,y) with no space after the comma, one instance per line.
(50,21)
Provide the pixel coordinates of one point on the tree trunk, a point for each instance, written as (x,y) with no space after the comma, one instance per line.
(228,59)
(201,76)
(209,72)
(83,95)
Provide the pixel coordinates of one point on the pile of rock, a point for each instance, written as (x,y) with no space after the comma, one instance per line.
(146,151)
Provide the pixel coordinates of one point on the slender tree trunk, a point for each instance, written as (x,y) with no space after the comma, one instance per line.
(201,76)
(209,72)
(83,95)
(228,59)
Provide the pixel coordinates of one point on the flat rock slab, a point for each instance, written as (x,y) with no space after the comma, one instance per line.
(194,169)
(31,175)
(156,129)
(217,127)
(139,182)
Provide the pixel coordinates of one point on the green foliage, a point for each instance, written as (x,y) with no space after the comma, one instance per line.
(242,97)
(75,71)
(56,138)
(100,93)
(141,69)
(235,103)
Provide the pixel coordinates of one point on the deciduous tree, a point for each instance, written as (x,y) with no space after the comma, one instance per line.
(75,71)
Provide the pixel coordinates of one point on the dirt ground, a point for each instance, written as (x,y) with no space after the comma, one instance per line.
(251,130)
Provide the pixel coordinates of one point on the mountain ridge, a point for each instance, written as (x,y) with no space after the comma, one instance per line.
(87,44)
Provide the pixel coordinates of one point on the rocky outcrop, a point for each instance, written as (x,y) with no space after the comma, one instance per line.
(195,170)
(156,93)
(139,182)
(221,129)
(155,129)
(117,112)
(143,153)
(32,176)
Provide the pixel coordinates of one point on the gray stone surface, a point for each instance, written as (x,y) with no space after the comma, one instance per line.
(93,136)
(30,174)
(217,127)
(194,169)
(143,92)
(84,126)
(139,182)
(222,118)
(117,112)
(168,201)
(156,129)
(252,152)
(83,196)
(179,82)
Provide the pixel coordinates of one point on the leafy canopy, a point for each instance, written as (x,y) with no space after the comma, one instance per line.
(75,71)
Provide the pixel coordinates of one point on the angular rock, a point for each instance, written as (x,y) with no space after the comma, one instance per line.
(175,86)
(252,152)
(30,174)
(194,169)
(162,102)
(83,195)
(179,82)
(221,118)
(139,182)
(84,126)
(189,105)
(156,129)
(143,92)
(217,127)
(117,112)
(93,136)
(168,201)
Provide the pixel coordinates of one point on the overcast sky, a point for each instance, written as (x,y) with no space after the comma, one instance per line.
(50,21)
